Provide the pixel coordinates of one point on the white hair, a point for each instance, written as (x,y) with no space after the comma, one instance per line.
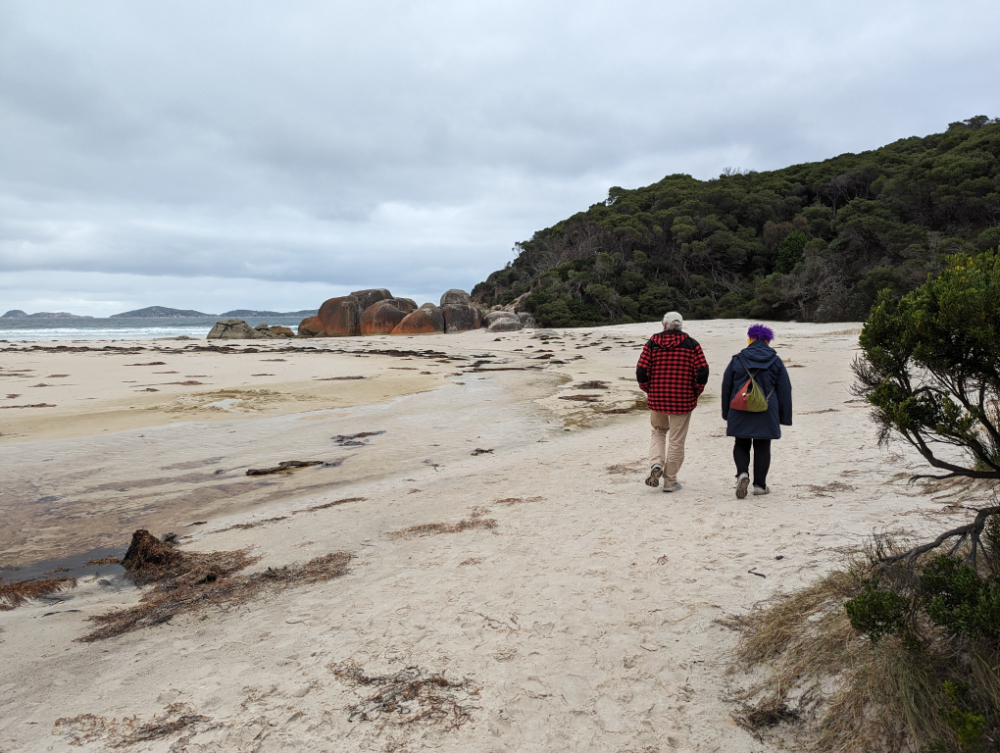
(672,321)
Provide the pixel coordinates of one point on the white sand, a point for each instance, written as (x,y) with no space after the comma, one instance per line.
(585,621)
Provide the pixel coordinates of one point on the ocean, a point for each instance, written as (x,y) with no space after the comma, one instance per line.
(32,330)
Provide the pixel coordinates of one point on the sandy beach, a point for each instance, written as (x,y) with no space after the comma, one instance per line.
(488,490)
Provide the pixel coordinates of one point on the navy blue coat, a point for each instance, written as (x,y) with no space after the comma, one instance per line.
(772,374)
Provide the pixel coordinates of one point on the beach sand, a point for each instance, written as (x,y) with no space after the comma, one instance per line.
(575,608)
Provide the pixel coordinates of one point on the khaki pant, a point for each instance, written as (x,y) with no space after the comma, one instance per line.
(676,424)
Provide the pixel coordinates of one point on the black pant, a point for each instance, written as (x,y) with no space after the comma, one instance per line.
(761,458)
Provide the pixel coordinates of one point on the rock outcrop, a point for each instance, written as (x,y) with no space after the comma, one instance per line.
(407,304)
(237,329)
(495,315)
(234,329)
(527,320)
(505,324)
(382,318)
(456,296)
(426,320)
(337,317)
(459,317)
(366,298)
(375,312)
(310,327)
(276,331)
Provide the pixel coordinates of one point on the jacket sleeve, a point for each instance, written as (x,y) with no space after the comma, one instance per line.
(784,392)
(642,368)
(727,391)
(701,370)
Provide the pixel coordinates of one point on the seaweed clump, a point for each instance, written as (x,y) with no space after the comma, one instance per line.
(410,696)
(186,582)
(120,733)
(18,593)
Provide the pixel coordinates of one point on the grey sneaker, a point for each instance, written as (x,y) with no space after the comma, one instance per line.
(653,479)
(674,487)
(742,482)
(758,490)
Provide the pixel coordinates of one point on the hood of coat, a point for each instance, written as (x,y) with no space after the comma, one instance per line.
(668,340)
(758,355)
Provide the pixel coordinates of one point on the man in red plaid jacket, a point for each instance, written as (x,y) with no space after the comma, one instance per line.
(673,372)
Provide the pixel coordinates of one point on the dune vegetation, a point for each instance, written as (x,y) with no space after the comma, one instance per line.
(812,242)
(900,650)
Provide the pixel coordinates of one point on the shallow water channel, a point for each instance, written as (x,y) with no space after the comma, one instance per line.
(65,499)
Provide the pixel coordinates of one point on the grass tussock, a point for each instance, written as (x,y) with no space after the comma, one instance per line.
(191,581)
(920,688)
(18,593)
(411,696)
(430,529)
(120,733)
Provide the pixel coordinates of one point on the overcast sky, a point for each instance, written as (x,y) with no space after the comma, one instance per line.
(217,154)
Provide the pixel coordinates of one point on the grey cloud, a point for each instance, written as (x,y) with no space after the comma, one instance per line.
(384,141)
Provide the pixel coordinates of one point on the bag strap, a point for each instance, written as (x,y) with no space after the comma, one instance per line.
(753,375)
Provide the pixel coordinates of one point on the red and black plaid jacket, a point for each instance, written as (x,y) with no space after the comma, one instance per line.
(673,372)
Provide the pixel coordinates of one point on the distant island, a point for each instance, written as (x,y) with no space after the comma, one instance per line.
(18,314)
(243,313)
(160,312)
(163,312)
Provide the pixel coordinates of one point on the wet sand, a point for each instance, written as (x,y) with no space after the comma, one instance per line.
(590,617)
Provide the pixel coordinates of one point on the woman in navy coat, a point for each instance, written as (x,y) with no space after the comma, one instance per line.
(756,429)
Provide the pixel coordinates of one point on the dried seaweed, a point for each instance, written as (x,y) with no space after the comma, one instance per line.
(18,593)
(591,385)
(481,451)
(253,524)
(767,712)
(833,486)
(582,398)
(410,696)
(517,500)
(104,561)
(428,529)
(354,440)
(209,581)
(88,728)
(148,559)
(325,505)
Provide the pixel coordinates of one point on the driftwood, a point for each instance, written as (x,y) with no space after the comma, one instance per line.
(284,467)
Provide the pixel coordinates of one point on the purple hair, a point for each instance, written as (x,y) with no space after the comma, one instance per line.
(760,332)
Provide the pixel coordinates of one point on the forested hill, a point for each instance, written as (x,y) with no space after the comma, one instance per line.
(809,242)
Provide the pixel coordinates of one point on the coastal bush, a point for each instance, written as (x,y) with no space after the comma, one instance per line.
(816,241)
(900,650)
